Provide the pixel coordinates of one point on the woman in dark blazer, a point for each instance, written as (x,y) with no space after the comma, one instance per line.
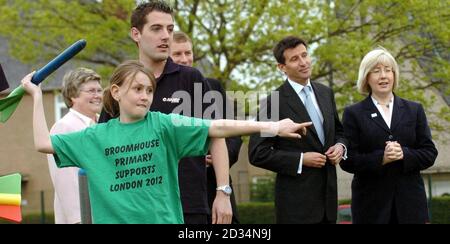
(389,144)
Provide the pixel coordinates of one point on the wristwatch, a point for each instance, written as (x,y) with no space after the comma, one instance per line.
(225,189)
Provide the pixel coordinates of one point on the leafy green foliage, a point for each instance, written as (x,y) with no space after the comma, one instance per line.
(264,212)
(237,38)
(39,30)
(263,190)
(256,213)
(439,210)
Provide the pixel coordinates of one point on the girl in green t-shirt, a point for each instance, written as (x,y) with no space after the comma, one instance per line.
(129,97)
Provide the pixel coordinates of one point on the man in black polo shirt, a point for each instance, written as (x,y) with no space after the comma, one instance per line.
(152,30)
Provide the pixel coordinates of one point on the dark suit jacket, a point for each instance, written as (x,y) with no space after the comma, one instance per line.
(376,189)
(308,197)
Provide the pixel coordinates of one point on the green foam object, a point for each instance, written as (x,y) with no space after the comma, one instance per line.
(9,104)
(10,184)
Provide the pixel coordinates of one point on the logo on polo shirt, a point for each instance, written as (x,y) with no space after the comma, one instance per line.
(171,99)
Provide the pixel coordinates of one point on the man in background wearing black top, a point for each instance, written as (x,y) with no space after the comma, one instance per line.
(182,53)
(152,30)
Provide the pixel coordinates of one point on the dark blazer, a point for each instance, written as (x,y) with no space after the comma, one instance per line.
(376,189)
(312,195)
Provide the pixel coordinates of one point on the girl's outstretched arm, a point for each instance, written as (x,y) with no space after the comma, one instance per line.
(42,141)
(283,128)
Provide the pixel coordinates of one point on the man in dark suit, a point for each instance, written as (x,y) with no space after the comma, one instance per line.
(3,83)
(306,185)
(389,144)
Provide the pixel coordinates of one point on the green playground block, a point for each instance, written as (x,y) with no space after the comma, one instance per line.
(11,184)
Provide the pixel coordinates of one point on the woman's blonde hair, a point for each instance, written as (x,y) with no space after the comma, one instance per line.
(125,72)
(377,56)
(73,80)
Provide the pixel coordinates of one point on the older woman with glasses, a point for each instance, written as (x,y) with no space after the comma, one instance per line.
(389,144)
(83,95)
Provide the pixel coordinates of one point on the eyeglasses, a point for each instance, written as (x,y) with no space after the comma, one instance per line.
(93,91)
(377,71)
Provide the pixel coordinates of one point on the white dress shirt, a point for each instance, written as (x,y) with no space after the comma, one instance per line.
(386,119)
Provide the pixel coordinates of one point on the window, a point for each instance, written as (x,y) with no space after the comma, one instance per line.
(60,107)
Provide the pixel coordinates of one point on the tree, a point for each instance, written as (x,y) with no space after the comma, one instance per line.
(38,30)
(236,37)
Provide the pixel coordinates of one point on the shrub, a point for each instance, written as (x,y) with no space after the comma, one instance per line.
(264,212)
(256,213)
(33,218)
(263,190)
(440,210)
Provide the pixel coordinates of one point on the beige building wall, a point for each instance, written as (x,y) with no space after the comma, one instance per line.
(17,154)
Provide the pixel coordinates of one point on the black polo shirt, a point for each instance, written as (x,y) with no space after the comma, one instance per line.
(191,171)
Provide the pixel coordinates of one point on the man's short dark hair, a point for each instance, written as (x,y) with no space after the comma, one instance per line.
(287,43)
(138,17)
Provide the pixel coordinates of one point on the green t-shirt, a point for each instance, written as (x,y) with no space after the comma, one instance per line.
(133,168)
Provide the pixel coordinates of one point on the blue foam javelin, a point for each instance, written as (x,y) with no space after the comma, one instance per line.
(53,65)
(9,104)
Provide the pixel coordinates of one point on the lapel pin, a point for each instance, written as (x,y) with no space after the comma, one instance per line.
(373,115)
